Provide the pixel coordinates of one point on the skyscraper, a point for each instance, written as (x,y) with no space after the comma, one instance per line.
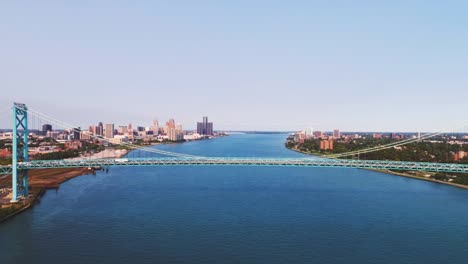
(308,132)
(155,127)
(175,133)
(205,127)
(99,129)
(46,127)
(77,133)
(109,131)
(171,123)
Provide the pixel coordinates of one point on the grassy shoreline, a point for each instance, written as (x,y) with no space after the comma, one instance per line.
(401,174)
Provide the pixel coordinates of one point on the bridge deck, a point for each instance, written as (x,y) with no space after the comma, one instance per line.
(305,162)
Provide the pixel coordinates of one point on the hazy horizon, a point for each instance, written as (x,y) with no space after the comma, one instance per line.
(263,65)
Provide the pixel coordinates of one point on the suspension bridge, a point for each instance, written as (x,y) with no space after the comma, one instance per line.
(21,163)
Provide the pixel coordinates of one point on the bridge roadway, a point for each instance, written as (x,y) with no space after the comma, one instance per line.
(304,162)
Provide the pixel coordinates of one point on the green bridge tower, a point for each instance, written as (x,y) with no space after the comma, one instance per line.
(19,178)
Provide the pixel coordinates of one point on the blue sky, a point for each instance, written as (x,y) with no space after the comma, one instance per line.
(254,65)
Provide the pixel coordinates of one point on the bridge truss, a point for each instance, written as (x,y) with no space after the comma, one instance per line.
(21,164)
(281,162)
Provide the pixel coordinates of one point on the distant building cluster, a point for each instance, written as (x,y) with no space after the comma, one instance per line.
(205,127)
(113,134)
(109,133)
(326,139)
(171,131)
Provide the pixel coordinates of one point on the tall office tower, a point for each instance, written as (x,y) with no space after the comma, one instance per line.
(171,133)
(109,131)
(171,123)
(45,128)
(99,129)
(209,128)
(336,133)
(155,127)
(77,133)
(175,134)
(200,128)
(205,127)
(130,126)
(308,132)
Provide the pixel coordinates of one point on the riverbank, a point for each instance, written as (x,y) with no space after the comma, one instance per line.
(401,174)
(43,179)
(421,178)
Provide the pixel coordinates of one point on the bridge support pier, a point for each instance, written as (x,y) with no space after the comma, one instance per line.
(20,149)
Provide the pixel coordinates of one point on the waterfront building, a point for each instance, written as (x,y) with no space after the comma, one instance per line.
(200,128)
(109,131)
(205,127)
(174,134)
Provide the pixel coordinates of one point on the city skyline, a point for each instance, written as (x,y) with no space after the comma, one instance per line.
(150,125)
(362,66)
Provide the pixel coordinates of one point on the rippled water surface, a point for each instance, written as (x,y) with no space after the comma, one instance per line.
(241,215)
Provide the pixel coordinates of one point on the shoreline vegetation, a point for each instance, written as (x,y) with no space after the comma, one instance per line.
(419,176)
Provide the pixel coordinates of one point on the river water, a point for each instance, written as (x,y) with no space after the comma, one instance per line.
(241,214)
